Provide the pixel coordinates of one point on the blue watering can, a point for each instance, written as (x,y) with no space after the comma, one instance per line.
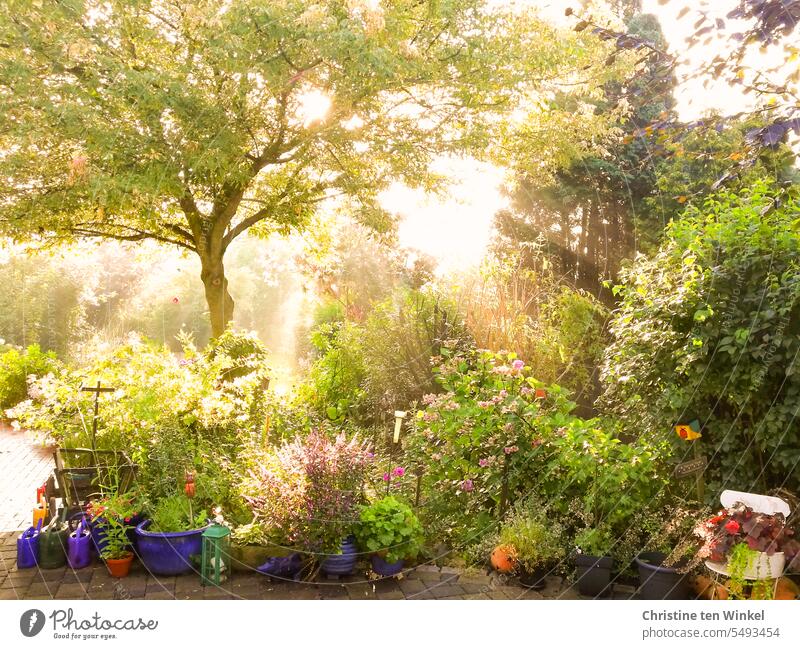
(79,546)
(28,547)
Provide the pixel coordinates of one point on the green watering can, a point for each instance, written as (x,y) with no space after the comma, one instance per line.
(53,544)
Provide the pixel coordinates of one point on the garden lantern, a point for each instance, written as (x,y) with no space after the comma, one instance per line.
(215,555)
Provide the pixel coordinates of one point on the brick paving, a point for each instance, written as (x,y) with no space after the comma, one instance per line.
(24,465)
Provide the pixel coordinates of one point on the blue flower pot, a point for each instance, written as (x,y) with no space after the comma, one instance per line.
(385,569)
(342,564)
(168,553)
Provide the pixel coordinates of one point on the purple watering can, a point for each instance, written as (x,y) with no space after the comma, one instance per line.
(28,547)
(79,546)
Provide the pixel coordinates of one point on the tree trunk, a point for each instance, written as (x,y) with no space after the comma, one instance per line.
(219,300)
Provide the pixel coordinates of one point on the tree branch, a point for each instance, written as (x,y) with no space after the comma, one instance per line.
(87,229)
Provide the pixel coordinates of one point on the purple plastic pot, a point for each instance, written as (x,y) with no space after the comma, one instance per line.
(28,547)
(79,547)
(343,563)
(385,569)
(168,553)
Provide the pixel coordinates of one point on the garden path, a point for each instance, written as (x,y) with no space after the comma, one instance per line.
(24,466)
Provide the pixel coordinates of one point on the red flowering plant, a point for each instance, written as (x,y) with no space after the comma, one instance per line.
(307,491)
(740,524)
(114,515)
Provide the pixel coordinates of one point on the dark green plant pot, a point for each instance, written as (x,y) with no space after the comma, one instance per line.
(533,579)
(593,575)
(658,581)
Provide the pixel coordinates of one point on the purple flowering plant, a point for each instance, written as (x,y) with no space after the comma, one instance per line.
(307,491)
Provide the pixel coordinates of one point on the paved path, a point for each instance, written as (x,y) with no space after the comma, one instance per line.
(25,465)
(423,582)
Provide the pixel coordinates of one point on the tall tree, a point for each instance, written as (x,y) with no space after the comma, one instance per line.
(193,121)
(595,209)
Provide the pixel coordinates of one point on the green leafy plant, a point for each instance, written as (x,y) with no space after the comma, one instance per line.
(390,528)
(113,514)
(595,541)
(176,514)
(537,540)
(740,557)
(497,434)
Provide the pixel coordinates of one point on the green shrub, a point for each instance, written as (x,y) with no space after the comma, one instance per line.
(709,328)
(16,367)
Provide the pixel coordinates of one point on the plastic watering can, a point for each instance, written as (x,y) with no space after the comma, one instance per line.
(28,547)
(40,511)
(53,545)
(79,547)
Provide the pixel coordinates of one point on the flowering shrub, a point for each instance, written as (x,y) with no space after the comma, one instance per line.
(206,393)
(307,491)
(17,368)
(496,431)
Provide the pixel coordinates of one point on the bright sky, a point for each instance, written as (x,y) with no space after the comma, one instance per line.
(456,230)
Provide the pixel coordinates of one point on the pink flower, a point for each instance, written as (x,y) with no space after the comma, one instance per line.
(508,450)
(518,364)
(483,462)
(467,485)
(175,300)
(386,477)
(398,472)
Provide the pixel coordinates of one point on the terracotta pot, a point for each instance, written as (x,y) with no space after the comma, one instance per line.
(120,567)
(502,559)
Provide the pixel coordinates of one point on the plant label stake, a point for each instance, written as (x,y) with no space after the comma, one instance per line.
(97,390)
(399,416)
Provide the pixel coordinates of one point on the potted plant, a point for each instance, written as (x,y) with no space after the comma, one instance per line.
(746,545)
(306,493)
(536,546)
(116,550)
(390,531)
(663,567)
(172,536)
(113,511)
(592,563)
